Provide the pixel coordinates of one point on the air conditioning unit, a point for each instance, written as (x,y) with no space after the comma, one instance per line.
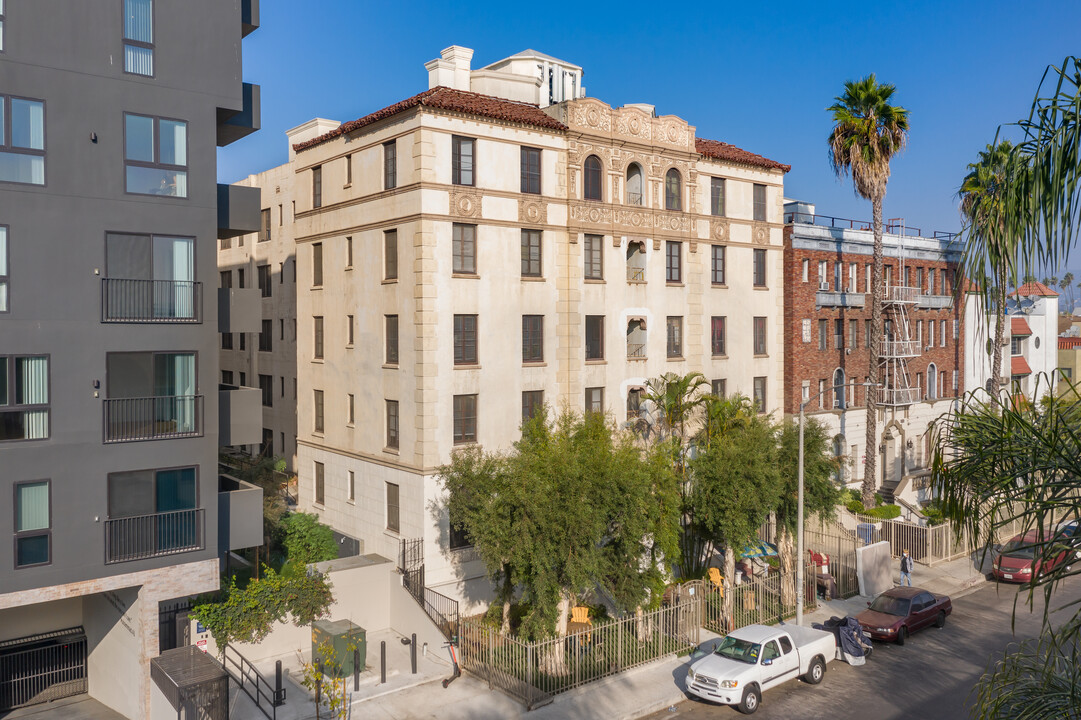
(824,286)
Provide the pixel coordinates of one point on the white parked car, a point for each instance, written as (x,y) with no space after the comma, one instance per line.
(755,658)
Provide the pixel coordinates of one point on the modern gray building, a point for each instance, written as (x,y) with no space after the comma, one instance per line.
(111,410)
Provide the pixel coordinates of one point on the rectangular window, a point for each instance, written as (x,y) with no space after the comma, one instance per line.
(33,523)
(318,397)
(226,341)
(853,333)
(719,388)
(838,334)
(392,339)
(717,335)
(464,247)
(853,273)
(392,424)
(263,278)
(458,537)
(462,154)
(24,397)
(264,225)
(317,186)
(806,269)
(155,156)
(532,402)
(930,280)
(393,508)
(226,377)
(531,170)
(595,400)
(317,265)
(266,386)
(1,25)
(716,270)
(673,262)
(943,336)
(281,328)
(138,37)
(908,277)
(320,484)
(390,165)
(760,394)
(225,275)
(955,329)
(531,253)
(390,254)
(349,324)
(759,203)
(243,340)
(532,338)
(716,196)
(266,335)
(317,323)
(759,267)
(919,279)
(837,276)
(675,336)
(348,251)
(465,339)
(465,419)
(1015,346)
(348,170)
(243,379)
(351,479)
(867,278)
(594,258)
(823,334)
(3,266)
(594,337)
(823,273)
(760,336)
(867,333)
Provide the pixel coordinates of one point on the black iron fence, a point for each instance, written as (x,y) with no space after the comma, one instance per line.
(159,301)
(41,668)
(268,698)
(145,536)
(153,418)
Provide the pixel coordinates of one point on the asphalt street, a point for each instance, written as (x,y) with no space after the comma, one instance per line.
(930,678)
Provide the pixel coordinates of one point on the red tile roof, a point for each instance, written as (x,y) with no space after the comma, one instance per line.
(445,98)
(1034,288)
(731,153)
(1019,326)
(1019,366)
(1069,343)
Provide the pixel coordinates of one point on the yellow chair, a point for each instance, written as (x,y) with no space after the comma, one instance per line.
(716,578)
(580,622)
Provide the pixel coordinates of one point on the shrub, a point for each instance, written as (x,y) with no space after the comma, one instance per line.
(307,540)
(934,514)
(884,512)
(855,506)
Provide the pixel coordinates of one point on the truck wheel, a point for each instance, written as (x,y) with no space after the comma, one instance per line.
(940,620)
(816,672)
(752,696)
(902,634)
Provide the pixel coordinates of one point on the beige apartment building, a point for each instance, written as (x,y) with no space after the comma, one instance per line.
(495,243)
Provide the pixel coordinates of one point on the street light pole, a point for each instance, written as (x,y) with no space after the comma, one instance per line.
(800,589)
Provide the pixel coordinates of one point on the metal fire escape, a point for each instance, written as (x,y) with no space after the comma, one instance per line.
(897,347)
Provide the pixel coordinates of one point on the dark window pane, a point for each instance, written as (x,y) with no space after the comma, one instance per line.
(717,335)
(594,337)
(465,339)
(462,151)
(760,203)
(317,264)
(531,253)
(532,401)
(592,178)
(393,507)
(317,187)
(672,195)
(532,338)
(593,257)
(390,254)
(464,248)
(465,419)
(531,170)
(717,264)
(675,337)
(390,165)
(31,550)
(716,199)
(392,424)
(392,339)
(673,262)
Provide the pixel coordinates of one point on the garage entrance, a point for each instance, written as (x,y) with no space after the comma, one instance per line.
(40,668)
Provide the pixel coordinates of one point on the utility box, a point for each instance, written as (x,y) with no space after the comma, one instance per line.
(341,636)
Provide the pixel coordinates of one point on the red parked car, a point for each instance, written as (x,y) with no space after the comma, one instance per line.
(1018,561)
(897,613)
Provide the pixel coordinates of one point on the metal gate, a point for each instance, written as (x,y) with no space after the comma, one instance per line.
(40,668)
(411,564)
(174,626)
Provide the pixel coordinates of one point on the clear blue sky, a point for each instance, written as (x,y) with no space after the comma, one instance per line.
(756,74)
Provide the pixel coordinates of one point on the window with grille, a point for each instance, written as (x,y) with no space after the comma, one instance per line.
(673,262)
(760,336)
(675,336)
(716,196)
(594,337)
(532,338)
(392,424)
(390,165)
(759,268)
(531,170)
(318,339)
(594,260)
(465,339)
(462,157)
(531,253)
(465,419)
(717,268)
(391,339)
(464,247)
(716,335)
(317,186)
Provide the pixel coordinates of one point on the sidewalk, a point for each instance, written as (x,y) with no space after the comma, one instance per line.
(628,695)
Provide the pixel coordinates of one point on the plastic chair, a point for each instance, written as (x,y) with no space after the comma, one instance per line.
(717,579)
(580,616)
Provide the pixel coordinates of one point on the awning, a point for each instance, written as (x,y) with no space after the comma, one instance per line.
(1019,366)
(1019,326)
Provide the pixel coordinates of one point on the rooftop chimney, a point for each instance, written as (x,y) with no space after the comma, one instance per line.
(451,69)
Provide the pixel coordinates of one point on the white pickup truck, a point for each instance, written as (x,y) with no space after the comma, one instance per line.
(756,658)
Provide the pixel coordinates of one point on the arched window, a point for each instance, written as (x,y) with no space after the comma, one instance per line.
(672,200)
(932,382)
(839,389)
(592,180)
(634,185)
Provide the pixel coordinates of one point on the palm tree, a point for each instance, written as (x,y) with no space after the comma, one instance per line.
(983,201)
(1067,287)
(676,398)
(866,135)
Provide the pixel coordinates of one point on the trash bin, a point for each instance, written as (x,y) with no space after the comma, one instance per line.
(867,533)
(340,635)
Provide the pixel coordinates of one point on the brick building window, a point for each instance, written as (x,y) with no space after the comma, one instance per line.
(823,334)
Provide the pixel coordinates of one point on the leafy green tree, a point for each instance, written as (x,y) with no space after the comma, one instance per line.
(868,132)
(307,540)
(572,506)
(677,397)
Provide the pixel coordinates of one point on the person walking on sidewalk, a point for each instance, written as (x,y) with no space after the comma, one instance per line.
(906,568)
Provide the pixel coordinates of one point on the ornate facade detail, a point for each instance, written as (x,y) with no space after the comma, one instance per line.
(592,115)
(533,212)
(672,222)
(718,229)
(760,234)
(465,203)
(634,124)
(594,213)
(633,219)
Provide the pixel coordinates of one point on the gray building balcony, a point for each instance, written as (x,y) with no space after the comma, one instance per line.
(837,298)
(140,537)
(239,310)
(129,419)
(234,124)
(249,17)
(240,415)
(935,302)
(240,514)
(125,300)
(238,210)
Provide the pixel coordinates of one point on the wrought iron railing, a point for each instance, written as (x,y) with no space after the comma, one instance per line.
(267,698)
(146,536)
(153,418)
(900,348)
(158,301)
(636,350)
(891,227)
(41,668)
(636,274)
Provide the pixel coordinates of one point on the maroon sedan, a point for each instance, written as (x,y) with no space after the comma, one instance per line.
(1021,561)
(897,613)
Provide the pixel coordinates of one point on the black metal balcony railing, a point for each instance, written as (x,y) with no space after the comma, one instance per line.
(157,301)
(153,418)
(147,536)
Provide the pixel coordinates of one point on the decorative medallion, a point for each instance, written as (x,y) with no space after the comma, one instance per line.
(464,204)
(718,229)
(534,213)
(760,235)
(634,125)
